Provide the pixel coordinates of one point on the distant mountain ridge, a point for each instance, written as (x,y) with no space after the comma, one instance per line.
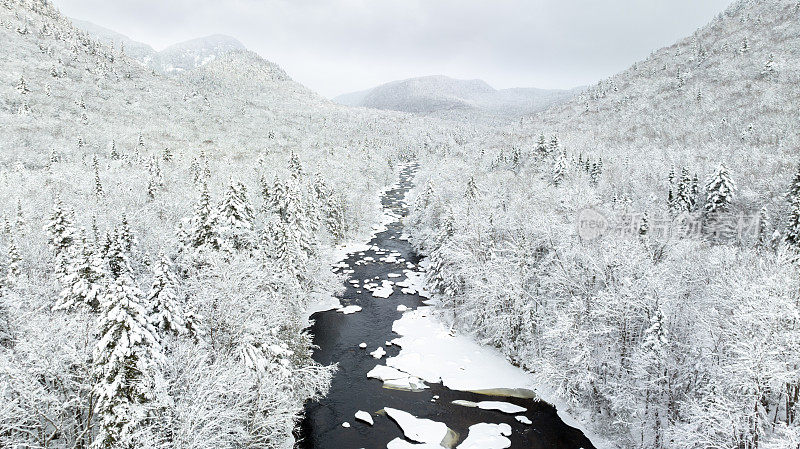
(178,57)
(444,96)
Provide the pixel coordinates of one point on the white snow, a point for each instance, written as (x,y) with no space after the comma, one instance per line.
(362,346)
(322,302)
(414,284)
(385,290)
(401,308)
(349,309)
(487,436)
(430,352)
(523,419)
(394,275)
(418,429)
(364,416)
(378,353)
(346,424)
(504,407)
(393,378)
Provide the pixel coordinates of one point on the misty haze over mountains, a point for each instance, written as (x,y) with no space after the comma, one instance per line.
(445,97)
(435,95)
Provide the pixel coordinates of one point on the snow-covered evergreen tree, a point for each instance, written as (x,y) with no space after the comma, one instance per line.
(61,233)
(560,169)
(235,217)
(472,188)
(14,259)
(98,185)
(164,312)
(124,358)
(719,191)
(22,85)
(200,232)
(84,283)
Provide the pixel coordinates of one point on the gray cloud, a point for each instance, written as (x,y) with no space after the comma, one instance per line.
(338,46)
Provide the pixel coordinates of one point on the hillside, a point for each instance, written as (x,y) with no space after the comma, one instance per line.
(151,265)
(196,52)
(176,58)
(636,246)
(441,96)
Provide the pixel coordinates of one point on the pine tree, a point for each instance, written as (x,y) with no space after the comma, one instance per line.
(19,222)
(295,167)
(84,283)
(126,237)
(594,174)
(235,217)
(124,358)
(61,231)
(763,238)
(164,311)
(98,185)
(769,67)
(719,191)
(685,200)
(113,153)
(560,169)
(554,145)
(695,193)
(745,47)
(200,231)
(22,86)
(116,255)
(541,145)
(472,188)
(14,260)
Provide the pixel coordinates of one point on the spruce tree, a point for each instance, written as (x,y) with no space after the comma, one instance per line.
(164,311)
(61,231)
(554,145)
(560,169)
(124,358)
(98,186)
(235,217)
(84,283)
(113,153)
(22,86)
(472,188)
(719,191)
(14,260)
(541,145)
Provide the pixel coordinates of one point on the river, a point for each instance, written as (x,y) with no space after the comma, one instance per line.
(339,335)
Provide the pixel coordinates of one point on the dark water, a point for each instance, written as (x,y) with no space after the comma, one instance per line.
(338,337)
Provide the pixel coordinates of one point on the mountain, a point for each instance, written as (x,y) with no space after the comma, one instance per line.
(173,59)
(196,52)
(441,96)
(137,50)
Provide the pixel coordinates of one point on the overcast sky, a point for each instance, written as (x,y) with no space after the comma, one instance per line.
(339,46)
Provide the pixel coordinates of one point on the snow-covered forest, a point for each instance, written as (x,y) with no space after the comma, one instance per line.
(633,249)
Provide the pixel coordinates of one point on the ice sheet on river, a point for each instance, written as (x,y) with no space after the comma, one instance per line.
(487,436)
(429,351)
(418,429)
